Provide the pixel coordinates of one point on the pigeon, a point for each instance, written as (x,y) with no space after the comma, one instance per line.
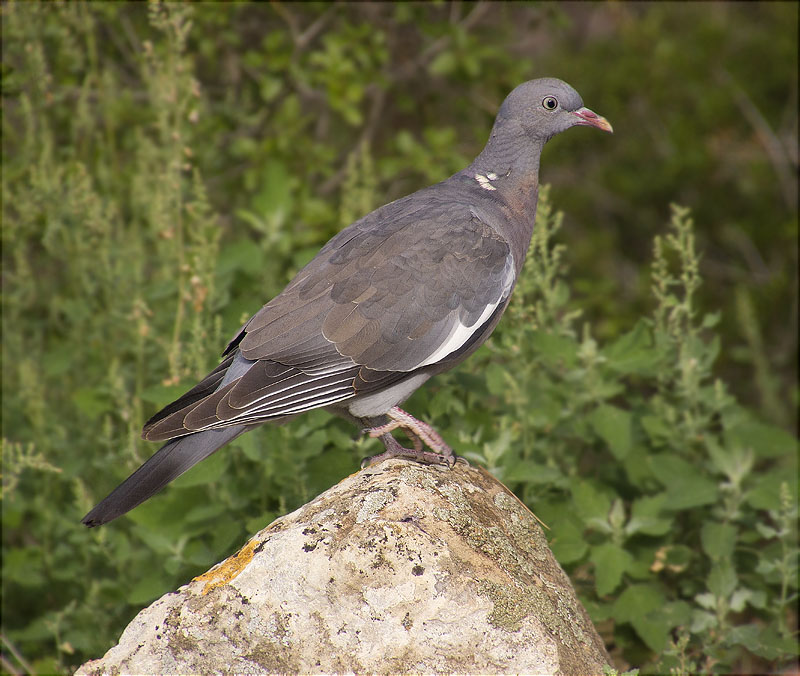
(404,293)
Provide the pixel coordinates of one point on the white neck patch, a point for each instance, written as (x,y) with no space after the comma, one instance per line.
(485,181)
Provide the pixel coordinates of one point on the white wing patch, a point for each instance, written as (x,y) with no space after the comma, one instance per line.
(460,333)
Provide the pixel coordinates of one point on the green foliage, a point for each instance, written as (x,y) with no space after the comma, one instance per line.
(644,467)
(167,168)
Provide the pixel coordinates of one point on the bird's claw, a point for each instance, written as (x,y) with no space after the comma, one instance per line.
(425,457)
(394,449)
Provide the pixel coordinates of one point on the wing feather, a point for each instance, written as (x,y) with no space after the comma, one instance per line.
(410,286)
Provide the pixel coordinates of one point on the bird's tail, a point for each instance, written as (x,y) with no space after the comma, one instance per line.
(168,463)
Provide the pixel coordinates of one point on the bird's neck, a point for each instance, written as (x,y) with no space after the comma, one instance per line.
(508,168)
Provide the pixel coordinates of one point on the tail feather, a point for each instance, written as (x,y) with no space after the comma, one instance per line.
(168,463)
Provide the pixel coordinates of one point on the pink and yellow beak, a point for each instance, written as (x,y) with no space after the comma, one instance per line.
(589,118)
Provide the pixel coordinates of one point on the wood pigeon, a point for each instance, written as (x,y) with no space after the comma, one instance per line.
(406,292)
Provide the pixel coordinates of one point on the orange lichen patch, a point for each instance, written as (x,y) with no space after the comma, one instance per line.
(229,568)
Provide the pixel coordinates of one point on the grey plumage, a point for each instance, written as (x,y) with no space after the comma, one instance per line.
(168,463)
(406,292)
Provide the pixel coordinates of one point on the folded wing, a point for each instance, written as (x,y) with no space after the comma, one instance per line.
(394,293)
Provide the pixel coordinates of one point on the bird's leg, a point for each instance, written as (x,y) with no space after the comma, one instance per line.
(382,430)
(418,443)
(418,432)
(394,449)
(402,419)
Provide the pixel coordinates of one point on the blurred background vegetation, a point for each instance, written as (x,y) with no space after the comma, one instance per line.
(167,169)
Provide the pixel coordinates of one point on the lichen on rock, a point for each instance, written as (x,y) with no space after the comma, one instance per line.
(399,568)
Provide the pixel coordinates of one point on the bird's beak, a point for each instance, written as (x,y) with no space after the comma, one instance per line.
(591,119)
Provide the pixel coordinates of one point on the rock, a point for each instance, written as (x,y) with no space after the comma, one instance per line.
(400,568)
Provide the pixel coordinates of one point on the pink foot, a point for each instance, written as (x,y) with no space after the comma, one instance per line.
(419,432)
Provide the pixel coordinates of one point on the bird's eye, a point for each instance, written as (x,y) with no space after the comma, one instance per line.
(550,102)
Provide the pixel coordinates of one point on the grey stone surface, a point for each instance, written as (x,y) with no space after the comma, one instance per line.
(400,568)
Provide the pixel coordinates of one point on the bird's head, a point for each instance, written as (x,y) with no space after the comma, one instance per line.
(548,106)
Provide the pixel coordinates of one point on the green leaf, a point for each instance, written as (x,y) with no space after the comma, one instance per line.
(656,428)
(257,523)
(497,379)
(702,621)
(198,553)
(240,255)
(646,516)
(616,516)
(149,587)
(669,469)
(528,471)
(567,542)
(734,462)
(773,646)
(722,580)
(633,352)
(555,350)
(745,634)
(161,395)
(444,63)
(204,512)
(677,557)
(47,665)
(685,487)
(766,440)
(443,402)
(762,641)
(677,613)
(91,402)
(654,626)
(24,566)
(766,494)
(274,199)
(251,445)
(765,531)
(613,425)
(224,538)
(637,468)
(718,539)
(156,520)
(637,600)
(590,504)
(598,611)
(325,468)
(610,562)
(743,596)
(653,629)
(205,472)
(58,360)
(694,492)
